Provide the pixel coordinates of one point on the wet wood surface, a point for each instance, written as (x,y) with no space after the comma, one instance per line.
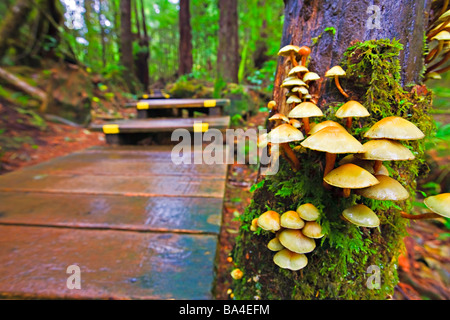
(135,223)
(179,103)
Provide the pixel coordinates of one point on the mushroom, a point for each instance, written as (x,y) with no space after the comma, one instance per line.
(387,189)
(279,116)
(362,216)
(304,51)
(395,128)
(293,99)
(271,105)
(303,90)
(282,135)
(310,76)
(327,123)
(351,109)
(384,150)
(335,73)
(305,110)
(332,140)
(295,123)
(270,221)
(297,70)
(290,51)
(296,241)
(350,176)
(312,230)
(290,219)
(438,204)
(308,212)
(275,245)
(237,274)
(441,37)
(291,82)
(287,259)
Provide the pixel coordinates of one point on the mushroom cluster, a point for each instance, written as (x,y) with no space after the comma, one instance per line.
(295,232)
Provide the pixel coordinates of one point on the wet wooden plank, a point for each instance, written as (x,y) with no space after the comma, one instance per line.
(174,214)
(180,103)
(147,186)
(113,264)
(164,124)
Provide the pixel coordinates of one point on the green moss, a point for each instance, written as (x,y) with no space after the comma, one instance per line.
(337,268)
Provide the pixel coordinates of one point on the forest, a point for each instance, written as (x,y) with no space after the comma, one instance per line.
(68,67)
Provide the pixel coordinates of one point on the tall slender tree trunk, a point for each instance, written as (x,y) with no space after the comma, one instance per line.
(185,47)
(350,262)
(228,58)
(126,42)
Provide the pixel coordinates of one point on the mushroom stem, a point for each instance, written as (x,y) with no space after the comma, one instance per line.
(336,81)
(435,52)
(304,60)
(377,165)
(294,62)
(330,159)
(306,124)
(428,215)
(438,64)
(349,122)
(290,155)
(346,192)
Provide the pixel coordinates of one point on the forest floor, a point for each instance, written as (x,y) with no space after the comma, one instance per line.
(424,269)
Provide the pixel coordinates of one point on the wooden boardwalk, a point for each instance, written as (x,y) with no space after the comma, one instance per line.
(137,226)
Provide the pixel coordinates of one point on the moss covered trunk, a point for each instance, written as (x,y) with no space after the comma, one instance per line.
(384,74)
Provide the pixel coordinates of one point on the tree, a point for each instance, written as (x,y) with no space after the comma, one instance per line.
(228,51)
(383,58)
(126,42)
(185,47)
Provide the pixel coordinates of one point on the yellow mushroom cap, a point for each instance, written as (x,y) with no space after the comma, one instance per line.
(312,230)
(327,123)
(308,212)
(295,123)
(333,140)
(387,189)
(254,225)
(310,76)
(269,220)
(439,204)
(293,82)
(275,245)
(442,36)
(297,69)
(362,216)
(291,219)
(300,89)
(296,241)
(284,133)
(286,50)
(335,71)
(350,176)
(287,259)
(395,128)
(352,108)
(305,110)
(279,116)
(385,150)
(293,99)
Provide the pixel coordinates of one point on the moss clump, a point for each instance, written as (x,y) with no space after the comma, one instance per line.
(338,267)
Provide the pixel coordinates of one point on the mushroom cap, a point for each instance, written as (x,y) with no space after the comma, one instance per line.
(310,76)
(271,104)
(297,69)
(333,140)
(291,219)
(269,220)
(286,50)
(305,110)
(442,36)
(295,123)
(287,259)
(279,116)
(433,75)
(387,189)
(385,150)
(312,230)
(362,216)
(350,176)
(293,99)
(301,89)
(395,128)
(284,133)
(327,123)
(308,212)
(296,241)
(335,71)
(275,245)
(254,225)
(293,82)
(439,204)
(352,108)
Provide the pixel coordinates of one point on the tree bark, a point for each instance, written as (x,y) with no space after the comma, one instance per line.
(228,52)
(185,47)
(126,42)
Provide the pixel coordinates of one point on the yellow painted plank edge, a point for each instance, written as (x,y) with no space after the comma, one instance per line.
(201,126)
(110,128)
(209,103)
(142,105)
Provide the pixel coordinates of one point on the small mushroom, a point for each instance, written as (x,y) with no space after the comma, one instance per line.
(237,274)
(305,110)
(298,70)
(350,176)
(254,225)
(310,76)
(271,105)
(362,216)
(312,230)
(438,204)
(275,245)
(303,90)
(290,51)
(395,128)
(387,189)
(351,109)
(335,73)
(327,123)
(295,123)
(308,212)
(304,51)
(441,37)
(291,82)
(270,221)
(279,116)
(296,241)
(287,259)
(290,219)
(293,99)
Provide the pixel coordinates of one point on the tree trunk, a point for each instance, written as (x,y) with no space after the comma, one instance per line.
(228,52)
(350,262)
(185,47)
(126,42)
